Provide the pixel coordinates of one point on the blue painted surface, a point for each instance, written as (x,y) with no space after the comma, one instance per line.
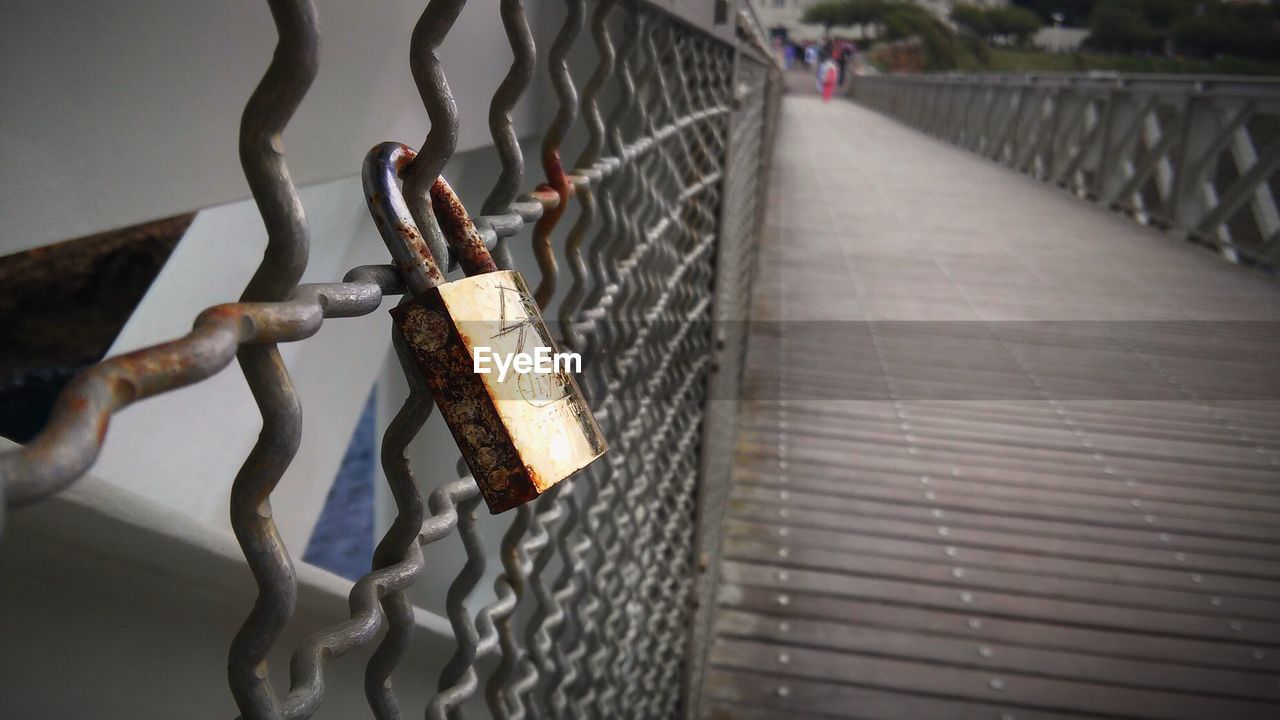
(342,541)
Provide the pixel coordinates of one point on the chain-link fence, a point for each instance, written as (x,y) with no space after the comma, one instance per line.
(1199,155)
(595,608)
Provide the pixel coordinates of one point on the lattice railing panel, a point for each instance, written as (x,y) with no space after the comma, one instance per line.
(1199,155)
(599,579)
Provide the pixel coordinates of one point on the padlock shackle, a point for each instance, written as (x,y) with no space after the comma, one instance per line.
(459,231)
(380,176)
(383,167)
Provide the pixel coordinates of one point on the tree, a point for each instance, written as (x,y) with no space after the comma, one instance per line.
(894,20)
(1012,23)
(1075,13)
(864,12)
(845,12)
(826,14)
(1205,28)
(1162,14)
(1248,31)
(1016,23)
(903,20)
(1119,26)
(971,18)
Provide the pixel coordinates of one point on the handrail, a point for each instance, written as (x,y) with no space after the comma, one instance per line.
(1196,155)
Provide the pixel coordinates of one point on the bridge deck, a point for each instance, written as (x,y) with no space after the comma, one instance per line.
(1005,454)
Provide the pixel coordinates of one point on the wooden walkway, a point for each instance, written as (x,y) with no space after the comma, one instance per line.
(1006,455)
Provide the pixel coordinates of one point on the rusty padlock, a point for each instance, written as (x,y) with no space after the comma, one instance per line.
(519,434)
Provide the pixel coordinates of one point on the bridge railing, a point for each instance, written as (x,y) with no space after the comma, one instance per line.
(594,606)
(1199,156)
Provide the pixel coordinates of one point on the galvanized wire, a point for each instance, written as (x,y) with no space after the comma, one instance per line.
(662,246)
(748,150)
(428,34)
(400,540)
(274,101)
(505,188)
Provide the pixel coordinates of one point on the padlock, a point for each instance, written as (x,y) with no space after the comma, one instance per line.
(519,434)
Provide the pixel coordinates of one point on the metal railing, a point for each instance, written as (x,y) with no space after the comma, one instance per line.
(594,605)
(1197,155)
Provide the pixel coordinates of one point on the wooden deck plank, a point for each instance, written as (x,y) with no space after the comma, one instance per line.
(1115,509)
(852,541)
(1073,494)
(977,538)
(1139,533)
(996,459)
(962,574)
(983,685)
(999,657)
(740,695)
(787,581)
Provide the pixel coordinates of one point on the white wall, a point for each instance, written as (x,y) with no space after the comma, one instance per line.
(120,112)
(113,610)
(1060,39)
(151,92)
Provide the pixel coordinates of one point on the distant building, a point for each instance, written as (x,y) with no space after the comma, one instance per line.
(781,18)
(1060,39)
(942,8)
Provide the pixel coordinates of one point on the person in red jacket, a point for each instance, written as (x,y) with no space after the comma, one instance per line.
(828,75)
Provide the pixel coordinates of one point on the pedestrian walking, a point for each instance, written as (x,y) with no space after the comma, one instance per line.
(828,74)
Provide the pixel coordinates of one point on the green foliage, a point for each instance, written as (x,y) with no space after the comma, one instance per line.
(1195,27)
(897,20)
(1125,35)
(902,20)
(1014,23)
(971,18)
(845,12)
(975,54)
(864,12)
(1247,31)
(1161,14)
(1075,13)
(826,14)
(1119,26)
(1032,61)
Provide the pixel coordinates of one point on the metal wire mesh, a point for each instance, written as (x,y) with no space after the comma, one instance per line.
(595,602)
(741,218)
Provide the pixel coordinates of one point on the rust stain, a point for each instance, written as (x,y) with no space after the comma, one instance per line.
(511,465)
(101,430)
(557,182)
(408,232)
(405,157)
(546,196)
(230,311)
(459,230)
(464,402)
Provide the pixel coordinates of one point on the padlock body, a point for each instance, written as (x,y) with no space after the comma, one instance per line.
(519,434)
